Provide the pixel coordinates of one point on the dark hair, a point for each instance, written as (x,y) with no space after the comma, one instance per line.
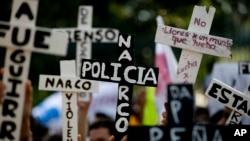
(109,124)
(55,138)
(102,116)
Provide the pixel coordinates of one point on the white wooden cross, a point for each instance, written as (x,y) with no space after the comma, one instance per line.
(21,38)
(69,84)
(229,97)
(84,35)
(194,43)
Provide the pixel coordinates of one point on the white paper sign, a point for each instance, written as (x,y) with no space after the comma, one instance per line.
(229,97)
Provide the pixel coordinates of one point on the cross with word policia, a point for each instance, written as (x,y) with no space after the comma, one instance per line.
(21,38)
(84,35)
(69,84)
(124,73)
(194,43)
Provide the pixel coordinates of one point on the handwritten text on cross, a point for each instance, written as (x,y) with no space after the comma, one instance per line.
(194,43)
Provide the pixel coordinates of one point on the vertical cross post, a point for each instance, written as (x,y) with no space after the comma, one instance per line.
(21,38)
(195,42)
(69,84)
(180,110)
(124,73)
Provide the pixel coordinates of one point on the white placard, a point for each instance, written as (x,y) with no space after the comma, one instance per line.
(229,97)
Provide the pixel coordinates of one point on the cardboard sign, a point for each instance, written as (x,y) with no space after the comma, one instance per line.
(69,84)
(124,73)
(180,110)
(194,42)
(21,38)
(244,67)
(180,104)
(229,97)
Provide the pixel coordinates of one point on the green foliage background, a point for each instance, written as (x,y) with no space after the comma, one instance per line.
(231,20)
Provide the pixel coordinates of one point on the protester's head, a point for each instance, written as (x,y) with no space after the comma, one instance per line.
(101,130)
(101,116)
(202,115)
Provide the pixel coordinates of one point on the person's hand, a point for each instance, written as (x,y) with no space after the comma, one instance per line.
(83,107)
(226,114)
(112,138)
(164,120)
(26,134)
(79,137)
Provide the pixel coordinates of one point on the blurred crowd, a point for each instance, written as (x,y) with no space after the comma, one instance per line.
(96,117)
